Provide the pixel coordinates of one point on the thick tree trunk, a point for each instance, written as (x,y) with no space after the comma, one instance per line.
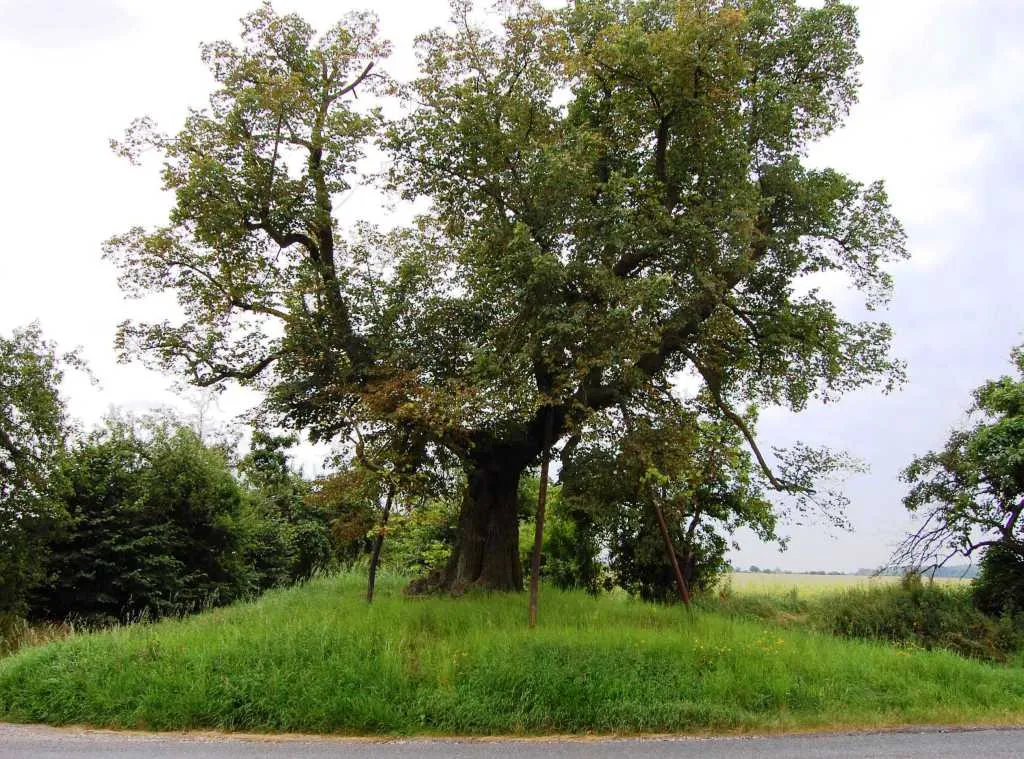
(538,536)
(486,552)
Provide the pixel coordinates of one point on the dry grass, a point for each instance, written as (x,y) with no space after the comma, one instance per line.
(16,633)
(807,585)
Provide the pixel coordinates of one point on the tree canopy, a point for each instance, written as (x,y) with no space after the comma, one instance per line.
(617,197)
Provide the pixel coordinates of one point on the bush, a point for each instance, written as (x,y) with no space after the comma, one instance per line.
(288,532)
(641,566)
(420,541)
(571,551)
(572,542)
(999,588)
(154,528)
(917,613)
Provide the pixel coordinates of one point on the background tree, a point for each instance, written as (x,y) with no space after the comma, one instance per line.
(155,527)
(617,197)
(695,471)
(970,494)
(33,428)
(289,538)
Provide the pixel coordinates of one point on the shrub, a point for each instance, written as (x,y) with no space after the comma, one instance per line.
(999,589)
(420,540)
(918,613)
(288,532)
(154,528)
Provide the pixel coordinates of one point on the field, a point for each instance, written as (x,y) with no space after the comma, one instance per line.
(809,585)
(317,659)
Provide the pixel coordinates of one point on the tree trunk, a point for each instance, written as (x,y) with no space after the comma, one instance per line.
(670,551)
(486,552)
(378,544)
(538,536)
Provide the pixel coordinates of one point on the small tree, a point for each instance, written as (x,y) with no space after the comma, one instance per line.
(669,484)
(665,488)
(971,493)
(383,477)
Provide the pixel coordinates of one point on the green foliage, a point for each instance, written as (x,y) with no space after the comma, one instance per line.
(617,192)
(400,493)
(921,614)
(571,549)
(999,588)
(154,527)
(692,468)
(419,541)
(289,533)
(33,428)
(970,494)
(317,659)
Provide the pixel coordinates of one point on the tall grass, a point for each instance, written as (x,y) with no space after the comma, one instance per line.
(318,659)
(906,611)
(17,632)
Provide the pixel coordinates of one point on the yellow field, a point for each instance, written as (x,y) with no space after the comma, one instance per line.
(807,585)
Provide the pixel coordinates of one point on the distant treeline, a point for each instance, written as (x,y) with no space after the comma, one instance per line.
(758,570)
(964,571)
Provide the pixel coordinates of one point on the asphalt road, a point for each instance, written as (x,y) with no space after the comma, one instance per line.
(25,742)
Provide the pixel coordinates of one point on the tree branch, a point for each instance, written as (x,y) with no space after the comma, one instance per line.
(356,82)
(222,373)
(713,385)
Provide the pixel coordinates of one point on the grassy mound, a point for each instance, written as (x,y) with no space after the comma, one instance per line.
(317,659)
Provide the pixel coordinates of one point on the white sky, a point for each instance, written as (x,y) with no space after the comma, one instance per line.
(941,118)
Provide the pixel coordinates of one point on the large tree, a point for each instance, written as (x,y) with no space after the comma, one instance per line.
(617,197)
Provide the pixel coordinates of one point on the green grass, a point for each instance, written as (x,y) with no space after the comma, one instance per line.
(316,659)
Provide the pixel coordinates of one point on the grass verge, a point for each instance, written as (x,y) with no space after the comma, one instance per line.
(316,659)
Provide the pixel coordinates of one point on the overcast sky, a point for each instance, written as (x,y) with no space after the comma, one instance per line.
(940,118)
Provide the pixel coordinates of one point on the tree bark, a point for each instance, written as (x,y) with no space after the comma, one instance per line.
(486,553)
